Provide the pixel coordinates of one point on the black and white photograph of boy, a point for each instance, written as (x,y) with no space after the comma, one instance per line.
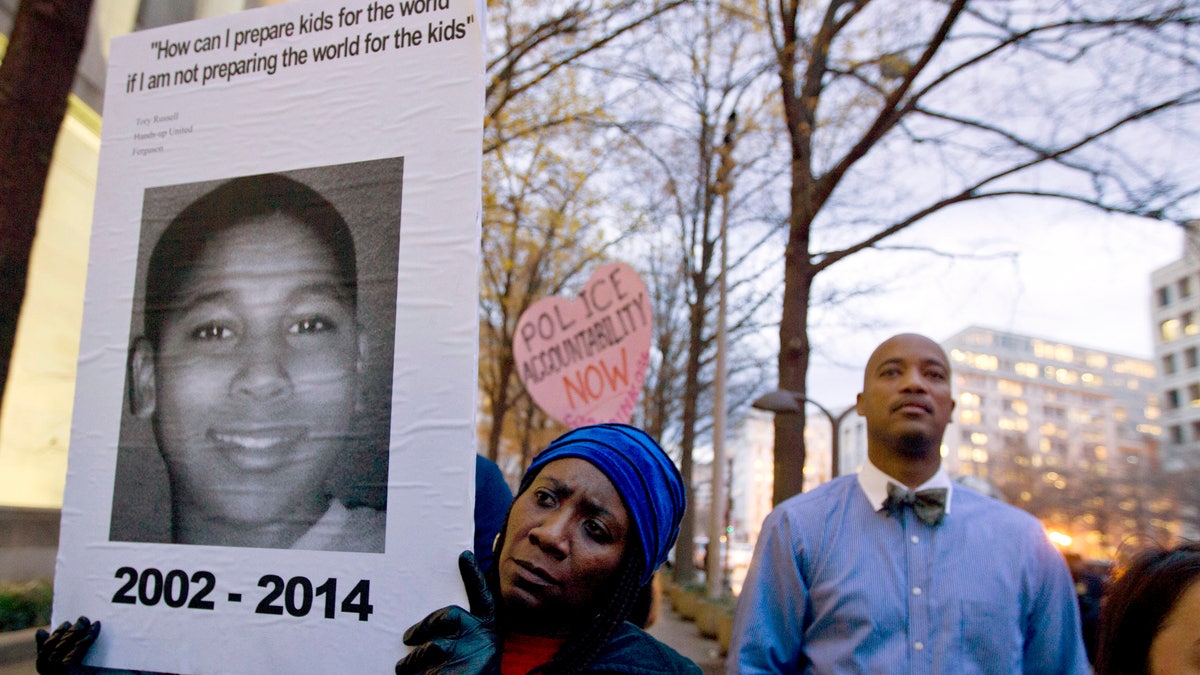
(259,371)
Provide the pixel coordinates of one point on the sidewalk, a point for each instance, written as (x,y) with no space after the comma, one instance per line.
(683,637)
(17,652)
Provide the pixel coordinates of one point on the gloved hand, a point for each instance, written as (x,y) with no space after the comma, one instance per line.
(452,641)
(62,652)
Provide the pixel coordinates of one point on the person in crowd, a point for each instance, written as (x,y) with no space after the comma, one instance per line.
(1089,590)
(492,499)
(899,570)
(595,515)
(1150,618)
(249,365)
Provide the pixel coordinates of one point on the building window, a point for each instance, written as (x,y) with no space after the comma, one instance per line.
(984,361)
(1062,375)
(1194,394)
(1169,330)
(1189,323)
(1196,431)
(1016,406)
(1185,287)
(1054,413)
(1190,358)
(1177,434)
(1164,296)
(1136,367)
(1168,364)
(1009,387)
(1172,399)
(1043,350)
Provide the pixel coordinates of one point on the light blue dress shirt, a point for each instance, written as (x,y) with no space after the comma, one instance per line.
(837,586)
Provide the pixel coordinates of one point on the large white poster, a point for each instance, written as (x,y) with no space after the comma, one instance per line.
(272,450)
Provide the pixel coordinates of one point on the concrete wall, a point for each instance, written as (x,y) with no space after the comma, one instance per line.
(28,543)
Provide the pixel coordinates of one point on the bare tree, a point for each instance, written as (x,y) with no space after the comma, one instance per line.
(536,43)
(35,79)
(541,233)
(896,110)
(545,108)
(690,81)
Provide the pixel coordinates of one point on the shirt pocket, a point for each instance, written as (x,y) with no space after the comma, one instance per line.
(991,636)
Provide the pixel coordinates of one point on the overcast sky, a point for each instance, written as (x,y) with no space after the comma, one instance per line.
(1077,276)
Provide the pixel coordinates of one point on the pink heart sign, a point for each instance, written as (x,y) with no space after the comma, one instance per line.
(584,361)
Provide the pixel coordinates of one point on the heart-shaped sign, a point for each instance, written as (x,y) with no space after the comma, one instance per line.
(584,361)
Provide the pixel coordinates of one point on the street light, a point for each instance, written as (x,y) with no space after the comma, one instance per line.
(787,401)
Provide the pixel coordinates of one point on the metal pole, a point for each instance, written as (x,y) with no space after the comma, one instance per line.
(835,468)
(784,400)
(714,563)
(834,422)
(716,528)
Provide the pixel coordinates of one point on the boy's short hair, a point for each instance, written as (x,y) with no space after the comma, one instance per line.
(181,244)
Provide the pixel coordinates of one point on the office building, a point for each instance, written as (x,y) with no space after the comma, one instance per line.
(1175,312)
(1066,432)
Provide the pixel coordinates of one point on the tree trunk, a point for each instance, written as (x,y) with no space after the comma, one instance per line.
(501,400)
(35,79)
(685,546)
(798,271)
(790,451)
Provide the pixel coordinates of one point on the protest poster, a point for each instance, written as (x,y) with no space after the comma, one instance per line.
(583,361)
(272,451)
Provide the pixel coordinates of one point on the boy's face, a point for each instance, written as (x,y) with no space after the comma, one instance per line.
(253,386)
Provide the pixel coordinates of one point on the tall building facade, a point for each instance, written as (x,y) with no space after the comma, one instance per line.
(1175,311)
(1068,433)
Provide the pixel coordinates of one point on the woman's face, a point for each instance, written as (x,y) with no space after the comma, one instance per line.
(254,382)
(1176,647)
(565,540)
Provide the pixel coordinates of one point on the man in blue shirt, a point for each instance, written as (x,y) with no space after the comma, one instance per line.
(899,570)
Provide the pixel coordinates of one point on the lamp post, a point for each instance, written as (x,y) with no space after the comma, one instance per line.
(785,400)
(716,523)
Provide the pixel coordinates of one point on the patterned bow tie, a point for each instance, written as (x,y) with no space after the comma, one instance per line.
(928,505)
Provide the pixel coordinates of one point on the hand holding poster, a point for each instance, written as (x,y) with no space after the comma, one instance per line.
(275,395)
(584,361)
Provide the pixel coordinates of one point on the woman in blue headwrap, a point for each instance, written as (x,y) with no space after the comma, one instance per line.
(596,514)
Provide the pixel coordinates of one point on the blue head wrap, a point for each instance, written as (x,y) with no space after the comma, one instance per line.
(647,480)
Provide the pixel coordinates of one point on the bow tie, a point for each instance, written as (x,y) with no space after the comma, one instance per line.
(928,505)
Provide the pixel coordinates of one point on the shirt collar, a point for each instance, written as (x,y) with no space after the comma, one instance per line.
(874,482)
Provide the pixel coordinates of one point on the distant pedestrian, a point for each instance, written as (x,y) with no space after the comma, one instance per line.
(897,569)
(492,499)
(1089,589)
(1150,619)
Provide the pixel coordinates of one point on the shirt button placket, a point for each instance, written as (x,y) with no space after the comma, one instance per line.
(917,555)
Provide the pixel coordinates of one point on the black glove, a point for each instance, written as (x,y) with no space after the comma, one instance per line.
(452,641)
(62,652)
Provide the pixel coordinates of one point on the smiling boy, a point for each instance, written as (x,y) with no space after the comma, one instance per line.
(250,366)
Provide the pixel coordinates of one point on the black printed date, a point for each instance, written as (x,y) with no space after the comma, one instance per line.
(297,596)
